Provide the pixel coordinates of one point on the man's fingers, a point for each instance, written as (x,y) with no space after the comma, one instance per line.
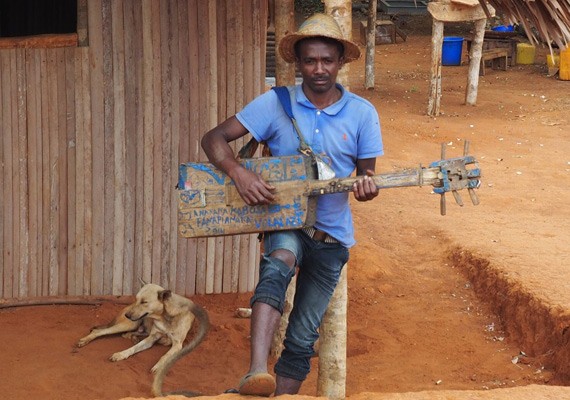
(365,188)
(264,198)
(371,186)
(260,193)
(253,189)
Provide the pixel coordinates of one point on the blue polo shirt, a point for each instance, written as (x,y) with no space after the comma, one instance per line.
(345,131)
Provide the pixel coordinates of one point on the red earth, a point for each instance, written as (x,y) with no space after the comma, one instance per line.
(422,324)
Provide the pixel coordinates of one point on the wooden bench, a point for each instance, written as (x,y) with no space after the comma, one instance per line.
(498,57)
(494,40)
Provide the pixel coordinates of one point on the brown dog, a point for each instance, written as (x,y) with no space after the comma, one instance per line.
(157,315)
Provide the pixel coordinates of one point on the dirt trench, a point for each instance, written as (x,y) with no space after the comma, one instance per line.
(544,332)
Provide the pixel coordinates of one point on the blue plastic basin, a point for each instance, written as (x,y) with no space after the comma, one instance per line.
(503,28)
(451,51)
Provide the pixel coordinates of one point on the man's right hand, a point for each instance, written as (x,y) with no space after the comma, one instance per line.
(251,187)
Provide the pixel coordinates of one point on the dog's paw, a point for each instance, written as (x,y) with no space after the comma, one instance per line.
(156,367)
(135,337)
(82,342)
(118,357)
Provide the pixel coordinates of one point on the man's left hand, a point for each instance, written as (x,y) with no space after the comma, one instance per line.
(364,189)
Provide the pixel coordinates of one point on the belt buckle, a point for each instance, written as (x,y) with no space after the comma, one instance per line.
(320,236)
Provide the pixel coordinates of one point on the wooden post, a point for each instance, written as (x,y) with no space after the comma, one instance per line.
(279,336)
(284,24)
(475,62)
(284,75)
(331,382)
(435,80)
(82,24)
(370,45)
(341,10)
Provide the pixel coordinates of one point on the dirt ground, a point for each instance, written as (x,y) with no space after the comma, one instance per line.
(427,318)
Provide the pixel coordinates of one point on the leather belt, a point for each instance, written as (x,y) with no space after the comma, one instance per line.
(318,235)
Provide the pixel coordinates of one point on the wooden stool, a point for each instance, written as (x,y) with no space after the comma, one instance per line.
(385,32)
(498,57)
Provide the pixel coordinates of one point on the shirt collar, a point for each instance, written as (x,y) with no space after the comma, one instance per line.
(333,109)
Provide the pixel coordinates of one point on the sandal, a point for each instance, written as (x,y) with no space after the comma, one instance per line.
(257,384)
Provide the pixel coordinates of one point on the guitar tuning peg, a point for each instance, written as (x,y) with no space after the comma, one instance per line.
(457,197)
(442,208)
(466,148)
(473,195)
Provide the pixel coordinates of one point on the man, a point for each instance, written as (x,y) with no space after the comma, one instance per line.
(346,129)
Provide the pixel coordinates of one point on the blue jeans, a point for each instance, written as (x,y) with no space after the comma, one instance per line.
(320,265)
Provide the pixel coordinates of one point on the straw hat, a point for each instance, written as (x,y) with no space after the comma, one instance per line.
(317,25)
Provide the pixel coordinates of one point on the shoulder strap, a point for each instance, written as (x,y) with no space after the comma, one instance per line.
(285,99)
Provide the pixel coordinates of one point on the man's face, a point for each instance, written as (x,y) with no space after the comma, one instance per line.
(319,63)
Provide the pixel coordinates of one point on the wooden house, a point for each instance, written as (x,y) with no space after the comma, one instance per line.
(93,125)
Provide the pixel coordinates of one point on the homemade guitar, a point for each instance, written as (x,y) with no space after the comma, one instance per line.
(209,204)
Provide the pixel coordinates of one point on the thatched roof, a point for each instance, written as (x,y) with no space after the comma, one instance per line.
(549,18)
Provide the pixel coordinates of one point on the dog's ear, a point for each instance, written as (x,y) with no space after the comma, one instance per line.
(164,295)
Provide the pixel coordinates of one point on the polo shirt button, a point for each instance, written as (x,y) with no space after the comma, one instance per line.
(318,113)
(316,131)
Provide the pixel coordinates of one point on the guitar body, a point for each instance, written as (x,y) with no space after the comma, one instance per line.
(209,204)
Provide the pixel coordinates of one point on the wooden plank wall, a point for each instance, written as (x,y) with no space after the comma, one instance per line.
(90,142)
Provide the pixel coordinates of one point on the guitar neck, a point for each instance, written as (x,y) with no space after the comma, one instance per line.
(406,178)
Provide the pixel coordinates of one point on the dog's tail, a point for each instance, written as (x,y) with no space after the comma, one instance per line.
(203,327)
